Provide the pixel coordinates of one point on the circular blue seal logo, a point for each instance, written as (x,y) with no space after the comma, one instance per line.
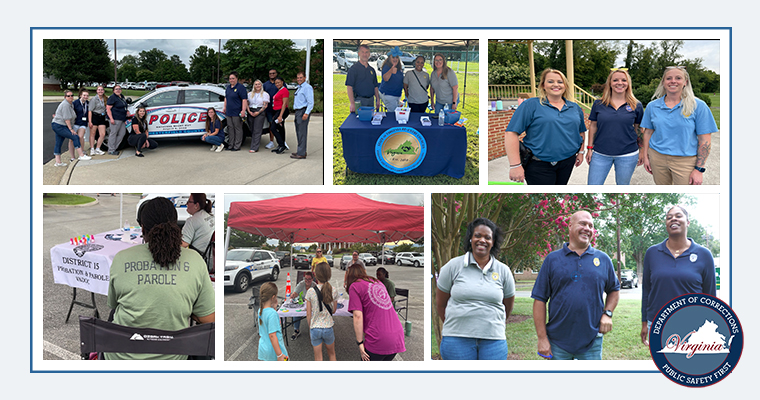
(400,149)
(696,340)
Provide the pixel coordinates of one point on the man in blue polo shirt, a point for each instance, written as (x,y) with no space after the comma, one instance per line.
(575,278)
(361,82)
(303,104)
(235,104)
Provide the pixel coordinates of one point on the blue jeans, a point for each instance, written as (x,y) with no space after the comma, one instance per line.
(601,164)
(594,353)
(63,132)
(297,323)
(322,336)
(461,348)
(215,140)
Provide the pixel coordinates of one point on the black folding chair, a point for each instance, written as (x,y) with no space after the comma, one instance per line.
(97,335)
(399,307)
(253,304)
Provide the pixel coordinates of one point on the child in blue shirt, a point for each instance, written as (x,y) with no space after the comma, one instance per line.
(271,347)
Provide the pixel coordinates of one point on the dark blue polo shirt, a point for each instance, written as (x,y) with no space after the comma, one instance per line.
(272,90)
(615,135)
(552,134)
(362,79)
(573,286)
(235,96)
(666,277)
(119,109)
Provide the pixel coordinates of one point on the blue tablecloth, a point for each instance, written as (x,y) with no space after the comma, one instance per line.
(446,146)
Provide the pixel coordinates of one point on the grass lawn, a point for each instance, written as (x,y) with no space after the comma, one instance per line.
(623,343)
(64,199)
(715,107)
(469,111)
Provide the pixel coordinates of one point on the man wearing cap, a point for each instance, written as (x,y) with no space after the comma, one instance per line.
(361,81)
(575,278)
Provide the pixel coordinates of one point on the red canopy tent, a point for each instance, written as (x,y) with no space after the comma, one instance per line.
(328,217)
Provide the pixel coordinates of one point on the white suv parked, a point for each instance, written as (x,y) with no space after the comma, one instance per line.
(368,259)
(243,266)
(412,258)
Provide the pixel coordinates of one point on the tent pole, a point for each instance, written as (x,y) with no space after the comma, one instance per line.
(227,242)
(466,62)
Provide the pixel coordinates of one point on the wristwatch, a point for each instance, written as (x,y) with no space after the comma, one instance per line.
(608,313)
(358,343)
(702,170)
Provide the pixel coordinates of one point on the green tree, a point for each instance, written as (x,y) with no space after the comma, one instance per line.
(316,70)
(129,59)
(508,74)
(150,59)
(253,58)
(203,65)
(75,61)
(128,72)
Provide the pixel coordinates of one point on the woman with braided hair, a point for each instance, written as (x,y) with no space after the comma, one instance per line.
(159,284)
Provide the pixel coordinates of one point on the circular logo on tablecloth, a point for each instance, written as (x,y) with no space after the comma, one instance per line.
(400,149)
(696,340)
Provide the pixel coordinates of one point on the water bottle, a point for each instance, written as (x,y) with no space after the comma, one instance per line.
(126,225)
(441,117)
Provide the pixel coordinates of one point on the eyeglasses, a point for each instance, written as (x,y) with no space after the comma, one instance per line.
(69,95)
(618,69)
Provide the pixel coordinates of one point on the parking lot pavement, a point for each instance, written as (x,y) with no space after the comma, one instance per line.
(60,339)
(189,162)
(241,337)
(498,170)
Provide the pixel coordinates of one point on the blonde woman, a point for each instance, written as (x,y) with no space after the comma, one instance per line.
(677,131)
(613,131)
(554,134)
(444,88)
(97,121)
(258,100)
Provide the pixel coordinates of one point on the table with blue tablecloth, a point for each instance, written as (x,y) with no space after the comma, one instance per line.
(439,150)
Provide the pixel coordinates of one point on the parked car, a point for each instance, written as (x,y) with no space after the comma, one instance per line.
(284,257)
(412,258)
(330,260)
(347,58)
(368,259)
(180,203)
(628,278)
(301,261)
(243,266)
(345,260)
(388,257)
(407,58)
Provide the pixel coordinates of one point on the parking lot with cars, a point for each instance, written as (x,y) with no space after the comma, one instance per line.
(241,336)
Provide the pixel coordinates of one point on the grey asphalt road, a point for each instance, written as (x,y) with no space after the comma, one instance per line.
(241,337)
(60,339)
(498,170)
(189,162)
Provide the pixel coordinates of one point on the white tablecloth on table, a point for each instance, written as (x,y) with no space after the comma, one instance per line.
(285,311)
(88,266)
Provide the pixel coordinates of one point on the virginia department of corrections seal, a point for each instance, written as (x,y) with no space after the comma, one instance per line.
(696,340)
(400,149)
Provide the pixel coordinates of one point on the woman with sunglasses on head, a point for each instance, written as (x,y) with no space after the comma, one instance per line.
(677,131)
(170,288)
(554,129)
(613,131)
(138,138)
(63,126)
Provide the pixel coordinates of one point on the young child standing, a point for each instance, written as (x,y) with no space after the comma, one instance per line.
(271,347)
(321,303)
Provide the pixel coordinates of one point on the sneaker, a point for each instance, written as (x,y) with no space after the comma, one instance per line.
(92,152)
(213,147)
(219,149)
(61,164)
(84,157)
(286,146)
(71,159)
(295,335)
(100,152)
(270,145)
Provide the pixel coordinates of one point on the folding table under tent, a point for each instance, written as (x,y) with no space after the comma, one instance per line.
(327,217)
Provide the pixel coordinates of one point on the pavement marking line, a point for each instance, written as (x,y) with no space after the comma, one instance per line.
(240,349)
(58,351)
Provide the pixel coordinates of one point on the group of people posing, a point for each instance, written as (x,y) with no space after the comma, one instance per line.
(439,89)
(377,328)
(671,138)
(475,292)
(267,100)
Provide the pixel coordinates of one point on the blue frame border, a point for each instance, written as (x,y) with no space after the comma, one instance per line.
(31,186)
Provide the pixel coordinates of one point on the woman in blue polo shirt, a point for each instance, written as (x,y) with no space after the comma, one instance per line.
(675,267)
(613,131)
(393,80)
(475,296)
(554,134)
(677,128)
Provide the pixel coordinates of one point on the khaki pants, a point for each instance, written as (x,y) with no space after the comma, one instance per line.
(671,170)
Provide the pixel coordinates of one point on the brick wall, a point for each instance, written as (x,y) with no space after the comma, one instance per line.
(497,126)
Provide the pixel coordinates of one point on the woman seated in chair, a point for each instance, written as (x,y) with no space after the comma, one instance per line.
(159,284)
